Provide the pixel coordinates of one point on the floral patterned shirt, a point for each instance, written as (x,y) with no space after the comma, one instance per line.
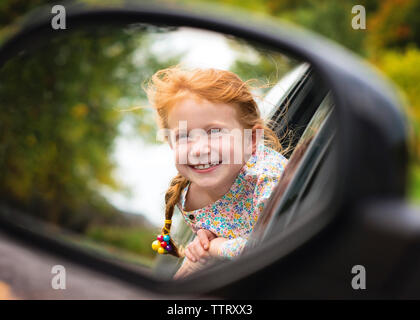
(234,215)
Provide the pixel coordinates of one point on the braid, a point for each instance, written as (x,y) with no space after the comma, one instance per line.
(172,195)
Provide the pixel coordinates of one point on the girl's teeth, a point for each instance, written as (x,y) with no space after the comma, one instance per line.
(204,166)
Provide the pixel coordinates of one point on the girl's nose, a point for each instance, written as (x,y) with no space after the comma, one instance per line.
(199,148)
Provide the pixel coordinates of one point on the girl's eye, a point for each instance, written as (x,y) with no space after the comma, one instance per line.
(181,137)
(215,132)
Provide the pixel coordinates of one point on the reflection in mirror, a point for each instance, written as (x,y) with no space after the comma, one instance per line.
(81,150)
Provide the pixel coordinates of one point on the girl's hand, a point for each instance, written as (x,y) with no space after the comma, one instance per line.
(190,266)
(215,246)
(197,250)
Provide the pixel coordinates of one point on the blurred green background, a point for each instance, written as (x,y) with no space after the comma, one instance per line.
(391,42)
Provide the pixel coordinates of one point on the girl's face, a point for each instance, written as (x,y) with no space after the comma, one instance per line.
(208,142)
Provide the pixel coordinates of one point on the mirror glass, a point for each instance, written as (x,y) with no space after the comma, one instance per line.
(80,152)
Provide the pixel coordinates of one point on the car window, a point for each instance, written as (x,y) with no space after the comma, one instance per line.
(295,109)
(281,90)
(295,183)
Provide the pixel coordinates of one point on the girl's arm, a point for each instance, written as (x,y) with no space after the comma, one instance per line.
(188,267)
(198,248)
(227,248)
(216,245)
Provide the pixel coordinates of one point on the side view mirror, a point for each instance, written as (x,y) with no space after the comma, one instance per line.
(84,174)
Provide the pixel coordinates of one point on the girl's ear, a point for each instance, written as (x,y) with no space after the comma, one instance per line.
(257,133)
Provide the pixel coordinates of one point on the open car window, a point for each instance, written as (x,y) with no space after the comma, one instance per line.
(295,109)
(295,184)
(281,92)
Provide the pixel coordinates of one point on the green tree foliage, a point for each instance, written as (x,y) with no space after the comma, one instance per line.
(402,67)
(329,18)
(133,239)
(59,119)
(13,10)
(395,25)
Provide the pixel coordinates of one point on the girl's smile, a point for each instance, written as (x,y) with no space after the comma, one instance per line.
(201,168)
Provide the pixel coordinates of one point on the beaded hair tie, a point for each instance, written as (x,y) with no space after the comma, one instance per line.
(161,244)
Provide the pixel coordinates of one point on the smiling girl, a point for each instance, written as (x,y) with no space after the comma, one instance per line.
(228,160)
